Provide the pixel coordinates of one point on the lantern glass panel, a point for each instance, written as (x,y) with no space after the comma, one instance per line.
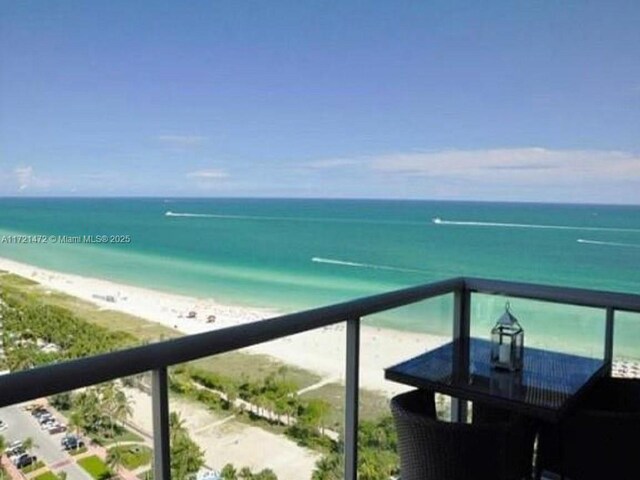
(507,339)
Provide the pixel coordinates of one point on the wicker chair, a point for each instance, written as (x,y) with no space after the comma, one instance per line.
(432,450)
(600,439)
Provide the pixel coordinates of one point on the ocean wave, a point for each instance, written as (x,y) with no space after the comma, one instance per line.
(439,221)
(609,244)
(346,263)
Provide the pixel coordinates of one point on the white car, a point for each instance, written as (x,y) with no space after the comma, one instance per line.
(48,424)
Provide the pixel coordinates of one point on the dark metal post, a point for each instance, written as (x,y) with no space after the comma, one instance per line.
(351,400)
(461,332)
(608,336)
(160,410)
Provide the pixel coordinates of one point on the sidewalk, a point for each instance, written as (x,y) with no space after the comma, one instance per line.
(11,469)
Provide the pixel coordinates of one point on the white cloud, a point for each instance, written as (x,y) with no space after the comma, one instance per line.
(334,162)
(27,178)
(517,164)
(24,176)
(210,174)
(181,140)
(511,174)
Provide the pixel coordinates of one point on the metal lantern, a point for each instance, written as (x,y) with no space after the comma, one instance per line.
(507,343)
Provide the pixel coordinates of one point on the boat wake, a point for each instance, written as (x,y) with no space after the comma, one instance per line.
(609,244)
(439,221)
(344,263)
(170,213)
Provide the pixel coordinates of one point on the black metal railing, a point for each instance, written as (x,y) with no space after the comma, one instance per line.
(156,358)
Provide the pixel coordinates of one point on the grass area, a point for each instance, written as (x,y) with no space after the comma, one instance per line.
(146,475)
(255,367)
(77,451)
(95,467)
(33,467)
(13,280)
(373,405)
(123,435)
(47,476)
(134,456)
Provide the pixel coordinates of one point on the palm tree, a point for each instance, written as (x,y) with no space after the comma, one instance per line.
(106,392)
(115,458)
(122,410)
(177,426)
(229,472)
(245,473)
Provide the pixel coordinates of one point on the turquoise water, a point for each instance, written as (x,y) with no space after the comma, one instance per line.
(294,254)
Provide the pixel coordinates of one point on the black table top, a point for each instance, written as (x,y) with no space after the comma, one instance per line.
(548,385)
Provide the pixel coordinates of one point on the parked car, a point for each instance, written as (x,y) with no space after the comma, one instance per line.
(71,442)
(37,411)
(57,428)
(43,417)
(3,425)
(14,449)
(25,460)
(14,444)
(48,424)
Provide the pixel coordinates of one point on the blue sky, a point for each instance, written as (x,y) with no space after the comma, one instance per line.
(514,100)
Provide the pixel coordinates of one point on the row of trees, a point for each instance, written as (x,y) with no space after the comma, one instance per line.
(378,459)
(229,472)
(28,324)
(273,398)
(101,410)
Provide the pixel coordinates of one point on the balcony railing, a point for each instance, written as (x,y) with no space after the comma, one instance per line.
(48,380)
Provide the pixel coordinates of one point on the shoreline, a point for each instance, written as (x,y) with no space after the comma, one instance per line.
(321,351)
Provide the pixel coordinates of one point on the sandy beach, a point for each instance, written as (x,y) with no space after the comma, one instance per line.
(321,351)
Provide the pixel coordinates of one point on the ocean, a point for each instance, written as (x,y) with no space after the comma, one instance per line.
(295,254)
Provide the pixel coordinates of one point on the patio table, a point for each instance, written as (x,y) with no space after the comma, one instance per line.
(547,387)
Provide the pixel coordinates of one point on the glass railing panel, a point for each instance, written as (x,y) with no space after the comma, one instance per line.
(260,411)
(552,326)
(93,431)
(387,339)
(626,345)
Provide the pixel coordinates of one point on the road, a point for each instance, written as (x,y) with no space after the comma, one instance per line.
(21,425)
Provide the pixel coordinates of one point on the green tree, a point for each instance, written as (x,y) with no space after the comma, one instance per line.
(329,467)
(245,474)
(266,474)
(28,443)
(76,421)
(229,472)
(115,458)
(61,401)
(186,456)
(315,413)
